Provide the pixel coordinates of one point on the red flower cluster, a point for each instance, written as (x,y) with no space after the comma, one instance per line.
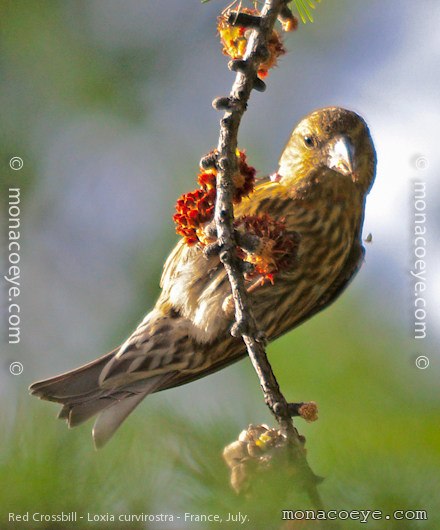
(277,248)
(244,179)
(208,179)
(195,209)
(235,38)
(276,49)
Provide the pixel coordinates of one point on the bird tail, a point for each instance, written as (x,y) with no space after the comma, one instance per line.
(79,382)
(82,397)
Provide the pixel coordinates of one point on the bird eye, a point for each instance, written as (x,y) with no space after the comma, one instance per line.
(309,141)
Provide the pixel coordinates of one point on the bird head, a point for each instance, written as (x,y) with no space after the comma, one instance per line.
(334,139)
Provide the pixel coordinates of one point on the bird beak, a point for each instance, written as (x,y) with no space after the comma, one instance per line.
(341,155)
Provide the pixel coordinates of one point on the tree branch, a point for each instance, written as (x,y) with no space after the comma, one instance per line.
(245,326)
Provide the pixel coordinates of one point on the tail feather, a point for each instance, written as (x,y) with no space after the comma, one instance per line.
(110,419)
(82,396)
(75,383)
(77,413)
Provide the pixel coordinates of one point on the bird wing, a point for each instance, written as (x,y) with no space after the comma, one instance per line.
(238,351)
(175,271)
(351,268)
(177,256)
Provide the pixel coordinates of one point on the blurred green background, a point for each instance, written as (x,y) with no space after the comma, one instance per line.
(108,103)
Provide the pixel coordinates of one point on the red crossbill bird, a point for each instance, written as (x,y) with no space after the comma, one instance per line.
(325,172)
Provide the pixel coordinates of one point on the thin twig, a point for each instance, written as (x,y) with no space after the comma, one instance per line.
(245,325)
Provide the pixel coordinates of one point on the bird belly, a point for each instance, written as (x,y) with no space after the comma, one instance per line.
(324,247)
